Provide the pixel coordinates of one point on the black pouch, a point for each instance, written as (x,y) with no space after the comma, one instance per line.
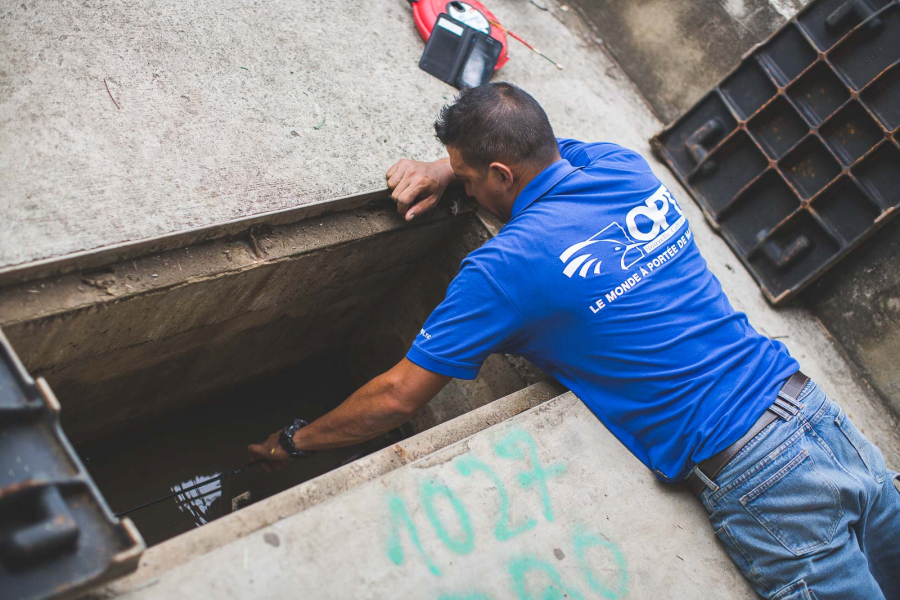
(458,54)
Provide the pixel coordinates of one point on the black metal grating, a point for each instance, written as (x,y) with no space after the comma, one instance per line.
(795,156)
(57,535)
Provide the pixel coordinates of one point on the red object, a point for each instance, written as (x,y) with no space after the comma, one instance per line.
(470,12)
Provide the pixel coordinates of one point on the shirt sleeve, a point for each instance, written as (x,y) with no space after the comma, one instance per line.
(581,154)
(475,320)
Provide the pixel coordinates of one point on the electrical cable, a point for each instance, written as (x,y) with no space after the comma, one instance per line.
(191,488)
(527,45)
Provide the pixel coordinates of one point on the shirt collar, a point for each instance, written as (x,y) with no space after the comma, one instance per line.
(541,184)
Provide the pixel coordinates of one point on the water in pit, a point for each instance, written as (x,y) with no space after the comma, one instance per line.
(154,459)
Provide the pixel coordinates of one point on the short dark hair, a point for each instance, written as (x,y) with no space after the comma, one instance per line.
(496,122)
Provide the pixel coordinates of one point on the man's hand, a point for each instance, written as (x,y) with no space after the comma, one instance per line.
(269,451)
(416,186)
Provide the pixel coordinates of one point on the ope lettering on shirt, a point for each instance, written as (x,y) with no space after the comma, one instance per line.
(656,209)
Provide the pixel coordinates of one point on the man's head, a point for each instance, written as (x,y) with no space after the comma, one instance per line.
(498,138)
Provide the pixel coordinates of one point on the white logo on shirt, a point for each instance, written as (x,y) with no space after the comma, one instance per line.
(654,214)
(611,236)
(648,223)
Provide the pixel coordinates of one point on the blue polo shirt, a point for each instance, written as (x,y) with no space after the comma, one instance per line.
(597,280)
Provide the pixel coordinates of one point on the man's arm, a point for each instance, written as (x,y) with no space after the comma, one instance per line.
(417,186)
(384,403)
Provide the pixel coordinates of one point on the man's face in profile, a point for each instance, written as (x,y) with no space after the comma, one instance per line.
(490,186)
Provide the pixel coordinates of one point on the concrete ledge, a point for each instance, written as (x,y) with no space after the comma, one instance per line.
(546,499)
(189,546)
(213,313)
(89,259)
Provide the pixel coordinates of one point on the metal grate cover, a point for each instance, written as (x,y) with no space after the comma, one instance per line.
(57,536)
(795,156)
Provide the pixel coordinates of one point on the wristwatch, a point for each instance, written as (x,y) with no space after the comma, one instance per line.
(286,439)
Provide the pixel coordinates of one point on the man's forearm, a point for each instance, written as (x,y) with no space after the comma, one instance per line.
(371,411)
(384,403)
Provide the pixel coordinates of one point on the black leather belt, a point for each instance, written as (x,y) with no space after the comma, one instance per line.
(785,406)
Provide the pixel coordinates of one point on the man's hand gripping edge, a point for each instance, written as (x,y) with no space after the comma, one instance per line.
(417,186)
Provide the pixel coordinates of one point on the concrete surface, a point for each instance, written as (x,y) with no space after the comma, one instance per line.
(226,109)
(859,303)
(675,51)
(544,504)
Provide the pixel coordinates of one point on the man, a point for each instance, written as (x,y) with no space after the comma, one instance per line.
(596,279)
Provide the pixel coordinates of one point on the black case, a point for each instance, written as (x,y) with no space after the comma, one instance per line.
(458,54)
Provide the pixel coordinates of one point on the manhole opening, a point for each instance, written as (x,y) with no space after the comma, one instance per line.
(165,384)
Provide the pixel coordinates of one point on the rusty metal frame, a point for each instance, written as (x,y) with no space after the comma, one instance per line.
(58,537)
(832,36)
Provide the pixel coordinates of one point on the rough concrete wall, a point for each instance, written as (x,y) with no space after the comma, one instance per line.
(859,304)
(139,338)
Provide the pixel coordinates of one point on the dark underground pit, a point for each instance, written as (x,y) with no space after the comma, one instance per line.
(167,366)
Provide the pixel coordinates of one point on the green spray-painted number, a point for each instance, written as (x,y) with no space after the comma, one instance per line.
(555,590)
(432,488)
(582,542)
(467,465)
(400,517)
(519,445)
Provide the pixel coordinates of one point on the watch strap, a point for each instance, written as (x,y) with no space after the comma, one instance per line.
(286,439)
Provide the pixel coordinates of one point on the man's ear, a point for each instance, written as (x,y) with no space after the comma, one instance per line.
(503,173)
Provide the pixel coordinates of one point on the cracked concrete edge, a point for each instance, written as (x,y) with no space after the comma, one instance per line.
(97,257)
(78,286)
(159,559)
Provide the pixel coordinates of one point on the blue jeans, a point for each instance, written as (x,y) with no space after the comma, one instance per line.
(808,510)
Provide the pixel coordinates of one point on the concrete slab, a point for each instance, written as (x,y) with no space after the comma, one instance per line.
(218,110)
(860,305)
(545,503)
(214,110)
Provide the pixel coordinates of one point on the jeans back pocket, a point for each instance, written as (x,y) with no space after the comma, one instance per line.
(797,505)
(866,450)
